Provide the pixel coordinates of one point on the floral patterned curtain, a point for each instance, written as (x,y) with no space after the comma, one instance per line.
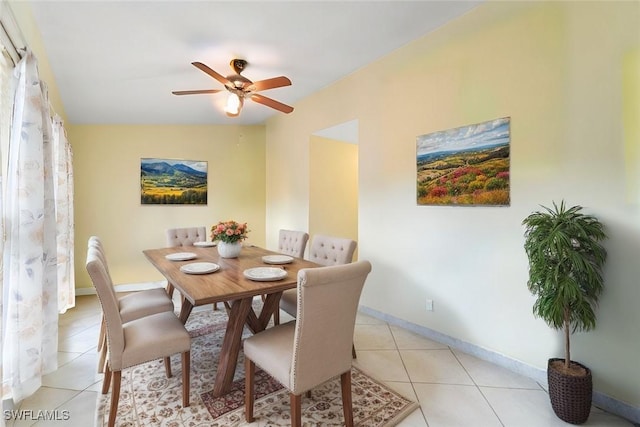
(30,282)
(6,100)
(63,179)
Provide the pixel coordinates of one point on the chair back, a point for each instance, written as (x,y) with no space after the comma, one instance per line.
(94,241)
(327,306)
(329,250)
(106,294)
(186,236)
(292,242)
(97,242)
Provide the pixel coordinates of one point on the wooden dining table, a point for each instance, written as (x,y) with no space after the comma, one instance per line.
(230,286)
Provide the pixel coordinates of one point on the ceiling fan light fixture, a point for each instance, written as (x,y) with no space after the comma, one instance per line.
(240,87)
(234,105)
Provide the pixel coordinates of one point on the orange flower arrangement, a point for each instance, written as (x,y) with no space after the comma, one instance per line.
(229,231)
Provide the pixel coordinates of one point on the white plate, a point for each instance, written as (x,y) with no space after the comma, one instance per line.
(265,274)
(204,244)
(181,256)
(277,259)
(200,268)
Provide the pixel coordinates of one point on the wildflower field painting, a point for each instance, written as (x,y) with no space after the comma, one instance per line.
(173,182)
(466,166)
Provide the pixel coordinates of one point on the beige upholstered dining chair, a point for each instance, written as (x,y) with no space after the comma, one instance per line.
(293,243)
(185,236)
(314,348)
(138,341)
(330,250)
(324,250)
(131,306)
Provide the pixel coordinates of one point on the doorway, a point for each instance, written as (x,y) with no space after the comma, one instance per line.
(333,181)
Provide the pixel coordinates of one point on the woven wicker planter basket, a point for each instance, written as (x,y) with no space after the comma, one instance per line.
(570,395)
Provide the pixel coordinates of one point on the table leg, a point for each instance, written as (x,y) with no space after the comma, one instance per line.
(238,315)
(185,310)
(271,303)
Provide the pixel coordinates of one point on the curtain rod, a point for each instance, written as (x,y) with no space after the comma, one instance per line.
(10,35)
(13,42)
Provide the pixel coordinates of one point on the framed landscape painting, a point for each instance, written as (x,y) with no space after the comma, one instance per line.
(467,166)
(173,182)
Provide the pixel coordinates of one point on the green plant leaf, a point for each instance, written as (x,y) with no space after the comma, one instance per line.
(566,258)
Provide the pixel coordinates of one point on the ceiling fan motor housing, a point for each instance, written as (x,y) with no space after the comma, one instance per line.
(238,65)
(236,80)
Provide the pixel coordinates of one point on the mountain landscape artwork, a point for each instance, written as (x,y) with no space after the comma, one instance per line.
(468,165)
(173,182)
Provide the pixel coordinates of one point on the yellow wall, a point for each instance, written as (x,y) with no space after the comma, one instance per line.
(333,181)
(107,189)
(631,113)
(555,68)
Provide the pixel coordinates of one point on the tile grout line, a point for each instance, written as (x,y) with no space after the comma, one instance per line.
(478,387)
(413,387)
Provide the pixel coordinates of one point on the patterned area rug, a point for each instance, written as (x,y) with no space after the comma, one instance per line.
(149,398)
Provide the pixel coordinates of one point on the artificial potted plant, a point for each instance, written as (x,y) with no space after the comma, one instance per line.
(565,274)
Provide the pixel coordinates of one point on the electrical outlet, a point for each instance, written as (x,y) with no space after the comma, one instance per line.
(429,305)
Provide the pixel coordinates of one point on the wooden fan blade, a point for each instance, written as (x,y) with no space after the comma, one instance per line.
(260,99)
(212,73)
(194,92)
(269,84)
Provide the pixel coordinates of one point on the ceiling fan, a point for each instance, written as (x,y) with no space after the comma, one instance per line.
(240,87)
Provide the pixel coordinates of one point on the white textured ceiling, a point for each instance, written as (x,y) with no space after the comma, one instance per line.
(118,61)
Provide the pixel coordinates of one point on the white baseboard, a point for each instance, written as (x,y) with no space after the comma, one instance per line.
(125,287)
(600,400)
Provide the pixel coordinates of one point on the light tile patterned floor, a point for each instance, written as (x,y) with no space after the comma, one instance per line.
(453,388)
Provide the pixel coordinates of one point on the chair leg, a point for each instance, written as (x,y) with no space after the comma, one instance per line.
(227,307)
(296,409)
(102,346)
(276,316)
(102,337)
(167,367)
(249,372)
(170,289)
(107,379)
(115,397)
(103,361)
(347,404)
(186,376)
(102,357)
